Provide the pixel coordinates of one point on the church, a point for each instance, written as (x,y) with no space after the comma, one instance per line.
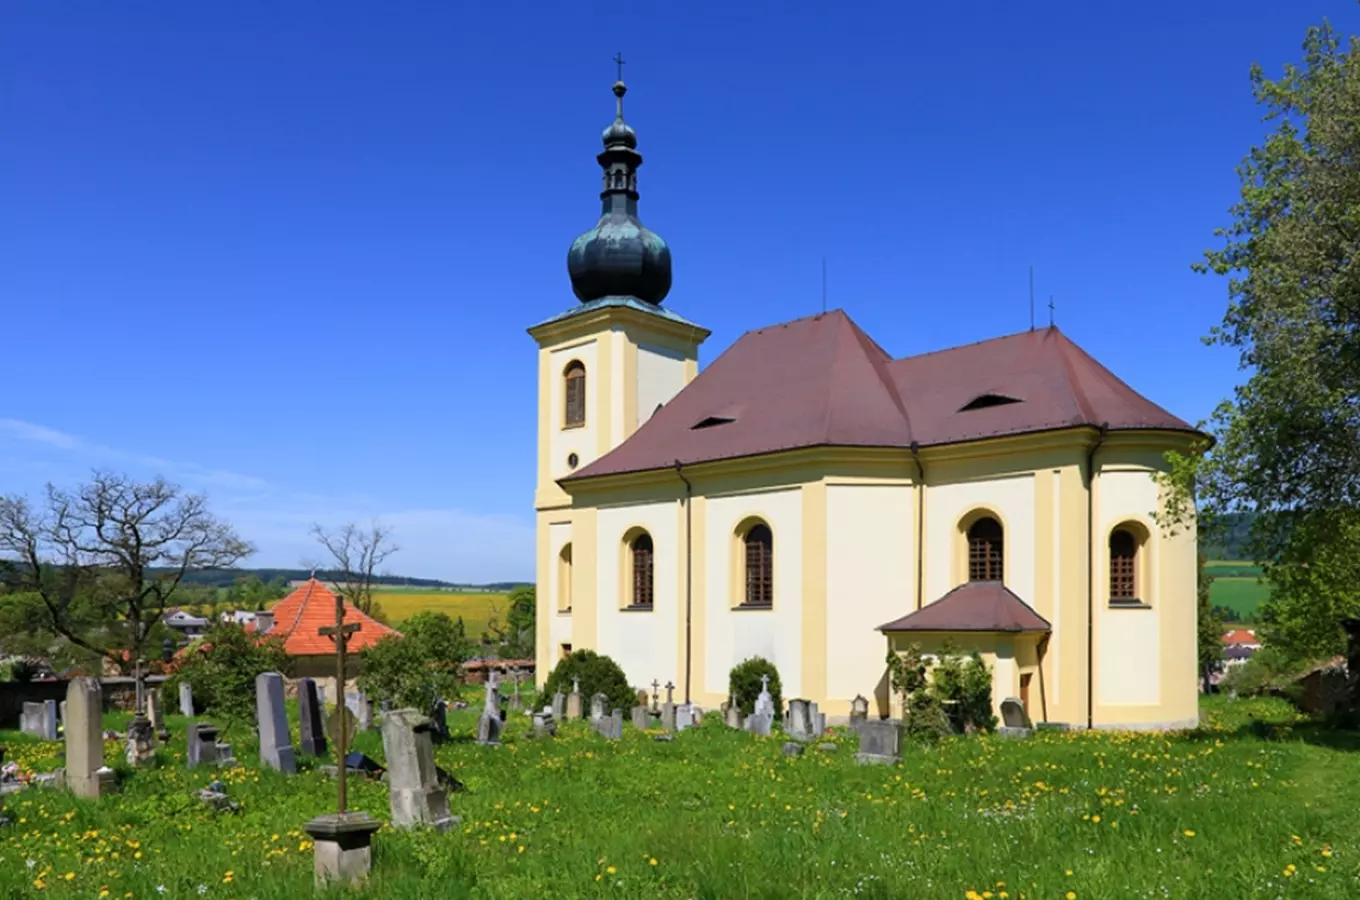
(810,499)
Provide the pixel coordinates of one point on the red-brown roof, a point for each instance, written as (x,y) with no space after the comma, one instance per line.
(301,615)
(973,606)
(821,381)
(1241,636)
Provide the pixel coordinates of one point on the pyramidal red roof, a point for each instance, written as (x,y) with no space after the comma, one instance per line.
(821,381)
(973,606)
(300,616)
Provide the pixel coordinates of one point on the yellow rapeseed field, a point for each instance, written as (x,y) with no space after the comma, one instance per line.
(476,609)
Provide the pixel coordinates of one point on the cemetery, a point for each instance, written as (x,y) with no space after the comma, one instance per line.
(565,796)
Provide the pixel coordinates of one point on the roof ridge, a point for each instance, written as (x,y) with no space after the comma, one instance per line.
(1078,395)
(1106,373)
(838,312)
(978,343)
(880,367)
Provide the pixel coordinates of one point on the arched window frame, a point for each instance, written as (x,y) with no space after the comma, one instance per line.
(1127,574)
(985,548)
(574,394)
(640,571)
(564,579)
(757,565)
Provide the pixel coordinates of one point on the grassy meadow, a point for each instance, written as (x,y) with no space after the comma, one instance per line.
(1257,803)
(1238,586)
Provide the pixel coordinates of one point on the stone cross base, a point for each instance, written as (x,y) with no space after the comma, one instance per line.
(342,846)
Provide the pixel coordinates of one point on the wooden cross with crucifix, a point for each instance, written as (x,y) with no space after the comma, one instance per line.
(339,633)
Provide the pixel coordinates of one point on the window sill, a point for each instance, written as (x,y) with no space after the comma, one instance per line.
(753,607)
(1129,604)
(564,612)
(574,427)
(636,608)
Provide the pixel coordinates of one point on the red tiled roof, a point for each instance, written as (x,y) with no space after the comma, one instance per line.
(1240,636)
(301,615)
(821,381)
(973,606)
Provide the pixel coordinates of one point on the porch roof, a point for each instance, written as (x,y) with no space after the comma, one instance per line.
(973,606)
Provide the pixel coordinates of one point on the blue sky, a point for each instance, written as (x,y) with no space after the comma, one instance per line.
(286,253)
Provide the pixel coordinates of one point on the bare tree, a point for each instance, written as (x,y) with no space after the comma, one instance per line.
(114,548)
(357,554)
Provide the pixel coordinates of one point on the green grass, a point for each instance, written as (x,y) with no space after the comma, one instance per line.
(1233,810)
(400,605)
(1238,586)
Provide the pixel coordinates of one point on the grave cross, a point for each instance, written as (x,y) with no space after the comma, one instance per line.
(339,634)
(656,694)
(670,691)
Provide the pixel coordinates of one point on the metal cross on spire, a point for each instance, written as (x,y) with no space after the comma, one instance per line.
(1050,311)
(618,61)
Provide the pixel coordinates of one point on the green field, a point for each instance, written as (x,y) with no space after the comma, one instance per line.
(1233,810)
(476,609)
(1238,586)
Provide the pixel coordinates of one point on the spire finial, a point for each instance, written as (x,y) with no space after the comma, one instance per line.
(618,61)
(619,87)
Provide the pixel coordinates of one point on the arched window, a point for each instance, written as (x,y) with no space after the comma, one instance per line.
(1123,566)
(985,551)
(575,380)
(759,544)
(564,579)
(640,551)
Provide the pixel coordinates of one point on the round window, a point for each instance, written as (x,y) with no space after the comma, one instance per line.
(573,460)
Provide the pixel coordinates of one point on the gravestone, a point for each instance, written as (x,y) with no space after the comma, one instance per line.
(311,737)
(342,847)
(365,713)
(798,724)
(684,717)
(818,721)
(186,699)
(224,754)
(86,774)
(62,713)
(439,721)
(764,702)
(859,709)
(599,707)
(141,742)
(544,724)
(611,726)
(574,700)
(276,744)
(412,779)
(642,719)
(760,723)
(668,718)
(880,741)
(202,740)
(733,717)
(353,700)
(1014,721)
(341,721)
(154,714)
(489,730)
(40,720)
(559,705)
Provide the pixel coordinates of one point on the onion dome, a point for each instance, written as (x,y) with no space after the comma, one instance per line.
(619,257)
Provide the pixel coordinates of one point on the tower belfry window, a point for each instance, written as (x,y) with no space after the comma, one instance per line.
(575,384)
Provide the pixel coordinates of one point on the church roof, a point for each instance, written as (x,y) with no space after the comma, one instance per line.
(300,616)
(973,606)
(821,381)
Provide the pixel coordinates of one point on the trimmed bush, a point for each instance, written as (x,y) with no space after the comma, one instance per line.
(743,683)
(598,675)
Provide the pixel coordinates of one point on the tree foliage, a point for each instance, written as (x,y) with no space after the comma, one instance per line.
(106,558)
(965,680)
(598,674)
(743,684)
(222,669)
(1209,626)
(419,666)
(1288,441)
(511,630)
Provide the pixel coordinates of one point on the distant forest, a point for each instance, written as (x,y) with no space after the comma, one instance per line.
(1231,538)
(224,578)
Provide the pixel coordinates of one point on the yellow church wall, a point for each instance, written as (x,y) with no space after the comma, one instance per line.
(870,561)
(731,634)
(1011,499)
(1008,656)
(583,440)
(660,375)
(556,593)
(640,641)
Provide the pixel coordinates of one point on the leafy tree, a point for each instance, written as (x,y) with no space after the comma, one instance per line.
(1210,626)
(1288,442)
(221,669)
(909,678)
(967,682)
(598,674)
(419,666)
(743,683)
(112,551)
(511,630)
(250,593)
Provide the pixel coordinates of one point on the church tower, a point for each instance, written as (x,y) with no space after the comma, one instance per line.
(606,364)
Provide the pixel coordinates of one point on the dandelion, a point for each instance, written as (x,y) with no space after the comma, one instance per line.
(1188,833)
(1071,895)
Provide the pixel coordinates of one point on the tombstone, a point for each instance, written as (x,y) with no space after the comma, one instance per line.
(599,707)
(412,780)
(311,737)
(668,717)
(684,717)
(489,729)
(642,719)
(792,748)
(224,754)
(141,742)
(342,847)
(202,745)
(880,741)
(341,722)
(321,695)
(439,721)
(733,717)
(611,726)
(62,714)
(365,713)
(40,720)
(798,724)
(276,747)
(764,703)
(559,705)
(85,739)
(859,710)
(153,713)
(544,724)
(354,700)
(818,722)
(1014,721)
(760,723)
(516,704)
(574,700)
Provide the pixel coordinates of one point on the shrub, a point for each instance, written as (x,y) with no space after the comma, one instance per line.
(420,665)
(743,684)
(598,675)
(967,682)
(222,672)
(909,678)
